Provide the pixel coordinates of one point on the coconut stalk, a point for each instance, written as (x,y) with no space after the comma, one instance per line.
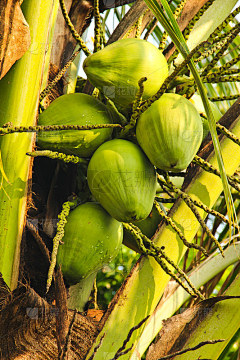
(79,293)
(207,270)
(19,93)
(221,323)
(142,290)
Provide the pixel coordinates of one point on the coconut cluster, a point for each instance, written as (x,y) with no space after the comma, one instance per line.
(168,133)
(121,174)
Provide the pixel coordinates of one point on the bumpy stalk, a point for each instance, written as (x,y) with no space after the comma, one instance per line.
(211,49)
(164,200)
(74,33)
(227,66)
(176,14)
(211,169)
(22,129)
(190,204)
(97,28)
(199,14)
(170,222)
(139,27)
(150,249)
(135,107)
(60,156)
(129,32)
(225,23)
(151,28)
(228,39)
(228,133)
(60,74)
(222,98)
(57,239)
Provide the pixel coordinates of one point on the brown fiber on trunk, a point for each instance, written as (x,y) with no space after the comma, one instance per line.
(28,328)
(15,36)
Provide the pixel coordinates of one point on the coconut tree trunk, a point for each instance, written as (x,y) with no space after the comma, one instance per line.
(29,323)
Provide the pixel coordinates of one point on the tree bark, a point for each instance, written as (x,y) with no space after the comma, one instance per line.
(28,327)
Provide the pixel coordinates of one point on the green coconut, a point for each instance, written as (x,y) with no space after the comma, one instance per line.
(170,132)
(118,67)
(74,109)
(122,180)
(197,102)
(92,239)
(148,227)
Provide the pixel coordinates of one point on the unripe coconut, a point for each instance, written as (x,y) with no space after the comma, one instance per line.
(170,132)
(148,227)
(92,239)
(123,180)
(118,67)
(75,109)
(197,102)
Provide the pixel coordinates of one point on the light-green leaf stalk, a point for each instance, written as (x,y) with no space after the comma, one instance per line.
(19,92)
(200,276)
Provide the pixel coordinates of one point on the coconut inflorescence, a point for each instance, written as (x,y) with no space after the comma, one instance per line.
(148,227)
